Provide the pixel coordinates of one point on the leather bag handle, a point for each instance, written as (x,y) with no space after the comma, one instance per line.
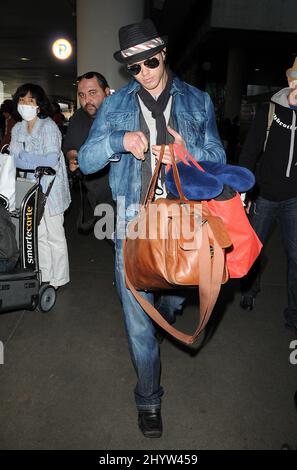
(152,186)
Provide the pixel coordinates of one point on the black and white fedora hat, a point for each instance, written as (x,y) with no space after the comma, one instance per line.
(139,41)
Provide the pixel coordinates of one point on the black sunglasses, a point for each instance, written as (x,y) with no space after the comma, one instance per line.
(151,63)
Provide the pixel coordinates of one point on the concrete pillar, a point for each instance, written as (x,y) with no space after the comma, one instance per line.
(98,23)
(236,82)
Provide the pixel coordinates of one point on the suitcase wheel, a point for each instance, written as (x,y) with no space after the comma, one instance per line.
(47,298)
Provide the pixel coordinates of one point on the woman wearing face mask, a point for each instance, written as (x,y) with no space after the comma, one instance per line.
(36,141)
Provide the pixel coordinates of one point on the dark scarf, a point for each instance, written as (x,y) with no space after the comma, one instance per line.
(157,108)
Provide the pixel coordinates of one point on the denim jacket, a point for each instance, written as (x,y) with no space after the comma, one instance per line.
(192,116)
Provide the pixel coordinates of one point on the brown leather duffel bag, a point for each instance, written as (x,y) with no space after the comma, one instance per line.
(175,243)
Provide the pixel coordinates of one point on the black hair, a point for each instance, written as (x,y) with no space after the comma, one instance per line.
(56,108)
(40,96)
(100,79)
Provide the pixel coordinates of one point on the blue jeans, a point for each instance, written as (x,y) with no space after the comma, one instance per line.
(263,213)
(140,329)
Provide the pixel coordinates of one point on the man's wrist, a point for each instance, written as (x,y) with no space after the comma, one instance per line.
(117,141)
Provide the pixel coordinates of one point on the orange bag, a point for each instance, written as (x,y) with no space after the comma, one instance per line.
(246,245)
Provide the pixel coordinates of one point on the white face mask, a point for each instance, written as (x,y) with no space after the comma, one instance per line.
(27,111)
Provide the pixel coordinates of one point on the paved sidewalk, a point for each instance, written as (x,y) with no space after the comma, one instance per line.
(67,381)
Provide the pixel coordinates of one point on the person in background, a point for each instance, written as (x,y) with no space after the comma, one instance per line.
(92,89)
(6,109)
(128,131)
(276,178)
(58,117)
(36,141)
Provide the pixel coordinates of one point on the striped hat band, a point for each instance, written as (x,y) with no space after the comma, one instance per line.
(145,46)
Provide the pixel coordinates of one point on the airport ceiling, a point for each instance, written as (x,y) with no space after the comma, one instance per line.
(27,30)
(196,52)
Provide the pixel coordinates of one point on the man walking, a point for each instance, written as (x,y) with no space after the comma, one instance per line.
(153,109)
(275,152)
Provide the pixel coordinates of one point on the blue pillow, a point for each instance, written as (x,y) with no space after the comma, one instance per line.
(196,184)
(239,178)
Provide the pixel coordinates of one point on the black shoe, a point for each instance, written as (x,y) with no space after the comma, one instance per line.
(150,423)
(247,302)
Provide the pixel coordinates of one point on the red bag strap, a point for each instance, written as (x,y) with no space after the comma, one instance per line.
(181,152)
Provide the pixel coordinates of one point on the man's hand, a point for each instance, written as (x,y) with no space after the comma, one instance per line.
(156,149)
(72,157)
(136,143)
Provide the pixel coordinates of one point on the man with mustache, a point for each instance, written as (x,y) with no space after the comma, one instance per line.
(92,88)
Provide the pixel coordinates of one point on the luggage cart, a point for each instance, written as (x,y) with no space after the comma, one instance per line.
(22,288)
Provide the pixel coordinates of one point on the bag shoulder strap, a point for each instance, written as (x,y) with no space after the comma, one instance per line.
(269,122)
(50,186)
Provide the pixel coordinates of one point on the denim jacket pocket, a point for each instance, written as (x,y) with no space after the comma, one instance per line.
(192,127)
(121,121)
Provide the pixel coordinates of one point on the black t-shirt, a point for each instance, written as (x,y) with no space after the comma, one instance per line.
(97,183)
(78,130)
